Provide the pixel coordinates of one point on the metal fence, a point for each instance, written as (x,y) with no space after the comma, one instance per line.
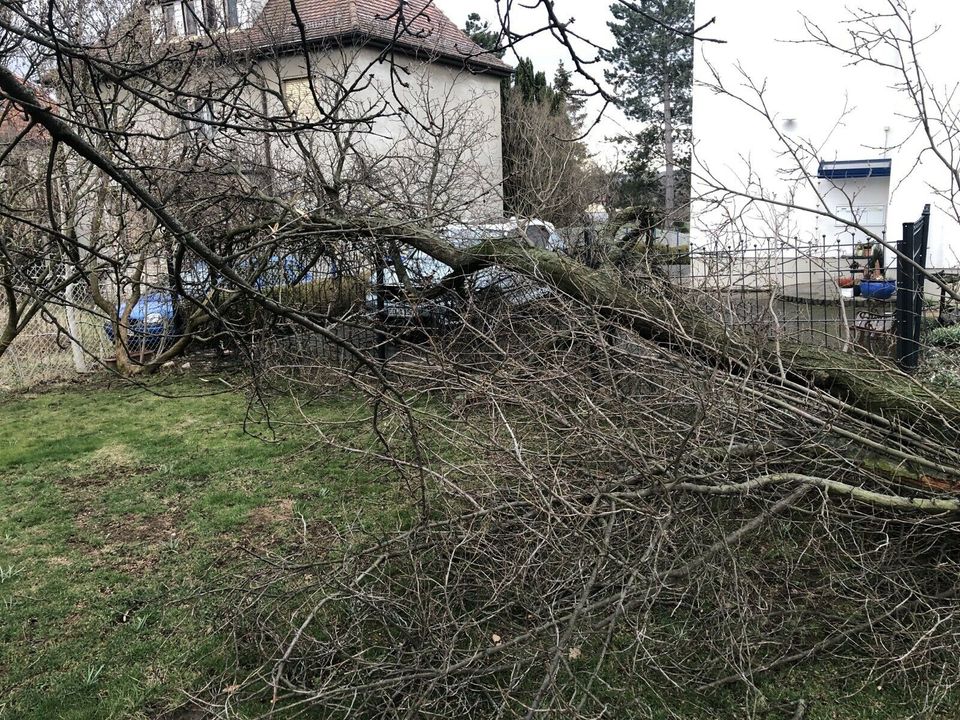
(855,295)
(62,342)
(805,292)
(68,338)
(776,290)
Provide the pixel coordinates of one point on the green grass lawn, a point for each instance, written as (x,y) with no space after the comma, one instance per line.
(122,511)
(118,509)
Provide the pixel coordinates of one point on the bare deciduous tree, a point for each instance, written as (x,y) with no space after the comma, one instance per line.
(602,487)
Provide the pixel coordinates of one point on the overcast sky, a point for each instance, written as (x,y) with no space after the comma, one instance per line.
(844,110)
(590,21)
(814,87)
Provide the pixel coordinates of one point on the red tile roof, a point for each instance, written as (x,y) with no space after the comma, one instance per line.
(413,26)
(14,121)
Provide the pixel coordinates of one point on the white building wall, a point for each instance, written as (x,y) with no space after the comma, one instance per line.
(433,141)
(402,136)
(865,200)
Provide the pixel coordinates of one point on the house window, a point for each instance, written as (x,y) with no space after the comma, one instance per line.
(190,17)
(211,16)
(170,17)
(176,17)
(233,15)
(221,13)
(200,124)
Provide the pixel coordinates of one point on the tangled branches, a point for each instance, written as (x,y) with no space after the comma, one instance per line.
(601,524)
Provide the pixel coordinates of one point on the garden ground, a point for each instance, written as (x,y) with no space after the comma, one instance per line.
(125,511)
(120,508)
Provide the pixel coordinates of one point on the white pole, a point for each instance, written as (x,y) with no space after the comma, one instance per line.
(73,327)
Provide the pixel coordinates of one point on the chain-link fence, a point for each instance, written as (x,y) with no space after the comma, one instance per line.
(62,342)
(69,337)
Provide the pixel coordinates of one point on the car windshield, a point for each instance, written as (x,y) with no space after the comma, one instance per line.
(152,306)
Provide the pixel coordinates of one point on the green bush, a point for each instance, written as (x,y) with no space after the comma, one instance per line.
(670,255)
(333,295)
(946,337)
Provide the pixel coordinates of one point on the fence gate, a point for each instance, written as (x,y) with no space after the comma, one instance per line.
(911,263)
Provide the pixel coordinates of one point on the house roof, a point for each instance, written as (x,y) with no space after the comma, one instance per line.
(417,27)
(13,121)
(854,169)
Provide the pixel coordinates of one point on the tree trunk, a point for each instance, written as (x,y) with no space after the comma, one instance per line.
(669,181)
(855,379)
(8,331)
(6,340)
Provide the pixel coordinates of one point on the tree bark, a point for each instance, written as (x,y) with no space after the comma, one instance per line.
(9,328)
(855,379)
(669,179)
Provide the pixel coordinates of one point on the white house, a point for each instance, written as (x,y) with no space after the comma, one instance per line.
(403,101)
(857,191)
(831,107)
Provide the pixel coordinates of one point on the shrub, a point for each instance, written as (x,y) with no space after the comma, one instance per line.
(671,255)
(945,337)
(329,295)
(332,296)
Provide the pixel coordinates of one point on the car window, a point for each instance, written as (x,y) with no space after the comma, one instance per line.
(538,236)
(496,233)
(420,268)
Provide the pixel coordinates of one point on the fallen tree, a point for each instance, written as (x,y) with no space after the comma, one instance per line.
(608,510)
(604,489)
(662,312)
(855,381)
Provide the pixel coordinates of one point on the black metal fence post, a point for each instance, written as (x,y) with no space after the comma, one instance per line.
(912,259)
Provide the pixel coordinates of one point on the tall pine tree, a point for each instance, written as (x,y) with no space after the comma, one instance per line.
(566,95)
(482,34)
(652,70)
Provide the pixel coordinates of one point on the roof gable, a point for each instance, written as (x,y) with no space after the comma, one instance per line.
(414,26)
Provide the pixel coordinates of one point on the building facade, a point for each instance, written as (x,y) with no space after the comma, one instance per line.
(372,105)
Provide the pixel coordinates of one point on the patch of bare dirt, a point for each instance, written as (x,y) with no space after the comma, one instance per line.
(267,526)
(279,526)
(269,516)
(130,543)
(102,467)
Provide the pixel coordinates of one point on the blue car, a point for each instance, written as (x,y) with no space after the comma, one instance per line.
(151,325)
(153,322)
